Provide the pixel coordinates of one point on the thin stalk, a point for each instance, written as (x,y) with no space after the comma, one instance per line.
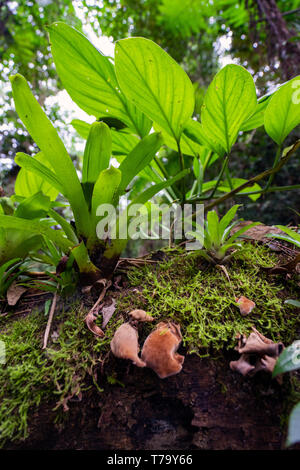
(181,159)
(228,177)
(255,179)
(174,193)
(219,177)
(276,160)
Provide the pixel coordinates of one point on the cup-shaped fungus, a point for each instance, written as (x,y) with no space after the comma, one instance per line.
(257,353)
(140,315)
(160,350)
(125,344)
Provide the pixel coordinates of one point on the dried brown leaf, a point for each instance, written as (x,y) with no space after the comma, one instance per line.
(14,293)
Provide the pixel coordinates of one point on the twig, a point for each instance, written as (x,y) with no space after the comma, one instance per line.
(48,327)
(101,297)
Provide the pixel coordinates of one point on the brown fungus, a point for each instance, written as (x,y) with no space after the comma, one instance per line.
(245,305)
(257,353)
(160,350)
(140,315)
(125,344)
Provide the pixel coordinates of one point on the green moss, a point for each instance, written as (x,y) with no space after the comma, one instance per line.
(203,300)
(182,288)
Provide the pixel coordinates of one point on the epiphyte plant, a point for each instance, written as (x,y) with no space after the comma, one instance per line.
(143,90)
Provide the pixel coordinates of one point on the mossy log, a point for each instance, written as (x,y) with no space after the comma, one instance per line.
(206,406)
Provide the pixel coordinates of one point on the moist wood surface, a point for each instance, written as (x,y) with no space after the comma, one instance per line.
(206,406)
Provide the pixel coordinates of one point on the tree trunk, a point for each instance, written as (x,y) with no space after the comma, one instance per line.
(206,406)
(279,44)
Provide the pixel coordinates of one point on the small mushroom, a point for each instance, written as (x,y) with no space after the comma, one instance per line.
(125,344)
(260,345)
(140,315)
(242,365)
(245,305)
(160,350)
(257,353)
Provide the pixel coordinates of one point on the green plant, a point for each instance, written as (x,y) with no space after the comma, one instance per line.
(289,360)
(143,89)
(216,237)
(100,184)
(291,236)
(23,225)
(9,271)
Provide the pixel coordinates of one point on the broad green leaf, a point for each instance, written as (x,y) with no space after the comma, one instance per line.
(44,134)
(283,112)
(97,152)
(258,117)
(139,158)
(89,78)
(33,177)
(194,131)
(288,360)
(229,101)
(227,218)
(213,227)
(155,83)
(106,189)
(294,426)
(122,141)
(36,206)
(34,227)
(187,145)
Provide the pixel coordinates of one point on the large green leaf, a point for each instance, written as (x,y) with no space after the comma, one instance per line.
(195,132)
(122,141)
(33,207)
(29,183)
(89,78)
(97,152)
(40,168)
(258,117)
(283,112)
(45,135)
(35,227)
(187,145)
(229,101)
(155,83)
(139,158)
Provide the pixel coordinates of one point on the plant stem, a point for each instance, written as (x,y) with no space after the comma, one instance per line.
(256,178)
(183,190)
(219,177)
(172,190)
(276,160)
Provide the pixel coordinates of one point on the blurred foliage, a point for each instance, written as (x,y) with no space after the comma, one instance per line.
(24,48)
